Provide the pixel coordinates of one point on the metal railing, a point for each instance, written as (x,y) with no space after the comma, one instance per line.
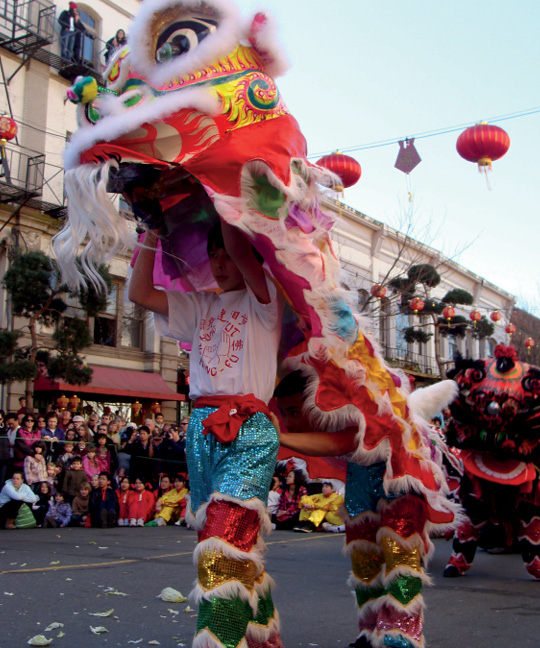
(409,360)
(26,175)
(26,22)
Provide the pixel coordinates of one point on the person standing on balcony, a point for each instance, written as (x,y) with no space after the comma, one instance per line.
(117,41)
(68,34)
(80,31)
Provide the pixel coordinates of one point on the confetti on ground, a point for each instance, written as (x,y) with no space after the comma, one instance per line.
(188,610)
(172,596)
(154,643)
(53,626)
(98,630)
(54,562)
(61,634)
(23,564)
(103,547)
(175,612)
(68,579)
(8,593)
(114,592)
(39,640)
(133,641)
(102,614)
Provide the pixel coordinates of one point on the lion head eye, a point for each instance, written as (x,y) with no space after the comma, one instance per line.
(182,36)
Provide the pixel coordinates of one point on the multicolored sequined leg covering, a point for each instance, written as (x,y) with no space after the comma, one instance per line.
(230,482)
(388,544)
(529,537)
(464,545)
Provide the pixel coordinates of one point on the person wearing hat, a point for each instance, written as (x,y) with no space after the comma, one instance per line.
(68,34)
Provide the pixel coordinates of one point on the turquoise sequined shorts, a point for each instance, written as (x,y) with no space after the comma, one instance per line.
(242,469)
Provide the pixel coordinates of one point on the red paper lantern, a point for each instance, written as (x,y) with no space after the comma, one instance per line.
(529,343)
(8,128)
(495,316)
(476,316)
(156,408)
(510,329)
(74,402)
(449,313)
(482,144)
(346,167)
(416,304)
(62,402)
(136,407)
(378,291)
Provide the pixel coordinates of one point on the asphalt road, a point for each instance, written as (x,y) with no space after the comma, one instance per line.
(49,575)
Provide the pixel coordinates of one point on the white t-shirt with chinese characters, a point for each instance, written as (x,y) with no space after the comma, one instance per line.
(234,339)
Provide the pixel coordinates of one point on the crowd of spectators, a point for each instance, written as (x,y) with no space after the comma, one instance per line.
(104,471)
(59,469)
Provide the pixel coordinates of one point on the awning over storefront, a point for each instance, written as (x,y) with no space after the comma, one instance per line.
(107,381)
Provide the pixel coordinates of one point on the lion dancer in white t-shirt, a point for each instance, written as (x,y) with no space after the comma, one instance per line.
(232,445)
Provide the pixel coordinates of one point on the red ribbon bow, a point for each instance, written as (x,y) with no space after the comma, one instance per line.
(232,412)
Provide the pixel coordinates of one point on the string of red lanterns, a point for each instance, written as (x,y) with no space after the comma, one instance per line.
(449,313)
(483,143)
(529,343)
(416,304)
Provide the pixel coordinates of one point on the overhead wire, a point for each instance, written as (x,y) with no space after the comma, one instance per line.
(430,133)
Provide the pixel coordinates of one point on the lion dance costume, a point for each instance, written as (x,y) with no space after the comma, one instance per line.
(191,128)
(496,423)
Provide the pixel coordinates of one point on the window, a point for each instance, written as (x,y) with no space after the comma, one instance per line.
(119,325)
(452,347)
(89,39)
(402,322)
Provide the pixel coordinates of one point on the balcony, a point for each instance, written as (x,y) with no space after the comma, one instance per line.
(414,363)
(27,178)
(26,25)
(30,29)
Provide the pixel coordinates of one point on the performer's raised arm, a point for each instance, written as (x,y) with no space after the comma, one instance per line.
(320,444)
(141,285)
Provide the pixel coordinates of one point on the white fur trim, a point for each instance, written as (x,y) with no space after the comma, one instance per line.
(361,545)
(219,43)
(429,401)
(267,584)
(357,583)
(261,633)
(91,217)
(228,550)
(266,42)
(228,591)
(200,99)
(205,639)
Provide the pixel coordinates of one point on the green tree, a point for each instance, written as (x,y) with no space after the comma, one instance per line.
(37,295)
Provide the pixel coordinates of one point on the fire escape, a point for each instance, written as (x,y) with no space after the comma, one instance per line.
(29,29)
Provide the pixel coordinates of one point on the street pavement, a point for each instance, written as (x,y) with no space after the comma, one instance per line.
(64,575)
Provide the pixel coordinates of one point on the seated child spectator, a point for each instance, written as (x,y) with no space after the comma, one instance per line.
(288,512)
(35,466)
(52,477)
(123,493)
(103,507)
(13,495)
(273,496)
(79,507)
(59,513)
(40,508)
(74,478)
(66,454)
(171,506)
(165,485)
(140,504)
(321,509)
(90,462)
(103,455)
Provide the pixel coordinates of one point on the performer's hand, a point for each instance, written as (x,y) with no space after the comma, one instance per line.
(275,421)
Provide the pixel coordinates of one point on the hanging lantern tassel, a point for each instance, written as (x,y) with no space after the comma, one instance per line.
(449,313)
(529,343)
(483,144)
(475,316)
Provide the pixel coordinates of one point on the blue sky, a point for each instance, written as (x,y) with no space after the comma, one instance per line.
(369,71)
